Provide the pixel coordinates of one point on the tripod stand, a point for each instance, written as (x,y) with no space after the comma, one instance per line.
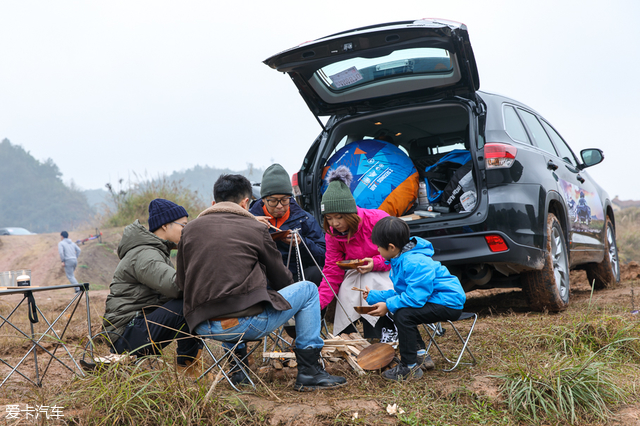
(295,237)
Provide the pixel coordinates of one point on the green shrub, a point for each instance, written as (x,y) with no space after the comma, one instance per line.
(137,395)
(564,390)
(133,203)
(617,336)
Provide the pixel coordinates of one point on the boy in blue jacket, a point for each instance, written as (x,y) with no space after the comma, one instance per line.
(424,292)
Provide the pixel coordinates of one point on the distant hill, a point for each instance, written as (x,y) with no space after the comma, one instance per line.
(33,196)
(624,204)
(199,179)
(202,178)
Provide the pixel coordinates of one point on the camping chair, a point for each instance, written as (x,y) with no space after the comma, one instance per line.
(100,350)
(436,330)
(228,358)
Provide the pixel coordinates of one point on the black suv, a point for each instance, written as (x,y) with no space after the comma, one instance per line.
(534,211)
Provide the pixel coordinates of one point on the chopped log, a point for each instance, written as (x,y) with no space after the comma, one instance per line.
(276,355)
(353,349)
(332,342)
(353,363)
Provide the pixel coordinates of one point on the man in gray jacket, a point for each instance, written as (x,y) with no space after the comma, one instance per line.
(144,306)
(69,252)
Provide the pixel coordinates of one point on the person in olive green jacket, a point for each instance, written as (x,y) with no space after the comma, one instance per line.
(144,306)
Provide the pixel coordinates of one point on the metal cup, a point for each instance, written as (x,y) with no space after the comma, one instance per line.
(23,281)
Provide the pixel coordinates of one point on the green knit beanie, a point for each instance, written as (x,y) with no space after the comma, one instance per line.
(338,198)
(275,180)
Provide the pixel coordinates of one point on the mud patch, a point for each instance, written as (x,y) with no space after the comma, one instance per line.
(323,409)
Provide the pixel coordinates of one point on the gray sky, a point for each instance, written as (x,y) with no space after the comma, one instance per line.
(107,88)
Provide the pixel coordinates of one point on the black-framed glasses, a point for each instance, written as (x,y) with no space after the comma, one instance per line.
(273,202)
(181,224)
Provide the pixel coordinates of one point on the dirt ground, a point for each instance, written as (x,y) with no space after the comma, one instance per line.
(39,253)
(97,262)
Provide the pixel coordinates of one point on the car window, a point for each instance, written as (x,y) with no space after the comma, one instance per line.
(537,132)
(344,75)
(565,152)
(513,125)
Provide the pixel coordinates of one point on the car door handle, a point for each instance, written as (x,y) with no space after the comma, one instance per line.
(551,165)
(580,178)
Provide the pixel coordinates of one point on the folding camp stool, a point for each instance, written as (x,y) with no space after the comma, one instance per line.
(228,358)
(436,330)
(37,339)
(100,350)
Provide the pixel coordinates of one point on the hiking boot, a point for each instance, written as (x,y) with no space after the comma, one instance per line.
(311,375)
(402,372)
(237,376)
(425,362)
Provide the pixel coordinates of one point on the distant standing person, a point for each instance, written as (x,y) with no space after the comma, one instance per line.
(69,252)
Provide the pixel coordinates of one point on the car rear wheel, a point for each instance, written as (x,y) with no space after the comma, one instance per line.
(549,288)
(606,273)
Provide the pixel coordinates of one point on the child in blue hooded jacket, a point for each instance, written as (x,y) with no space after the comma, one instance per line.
(424,292)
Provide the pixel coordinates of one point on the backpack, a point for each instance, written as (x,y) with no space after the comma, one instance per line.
(440,174)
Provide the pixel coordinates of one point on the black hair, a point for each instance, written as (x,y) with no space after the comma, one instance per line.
(234,188)
(390,230)
(64,234)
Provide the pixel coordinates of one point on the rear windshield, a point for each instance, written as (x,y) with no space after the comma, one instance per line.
(354,72)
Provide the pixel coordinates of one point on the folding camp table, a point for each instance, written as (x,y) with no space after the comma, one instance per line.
(37,338)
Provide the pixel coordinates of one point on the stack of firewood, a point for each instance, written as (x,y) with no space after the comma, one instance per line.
(336,348)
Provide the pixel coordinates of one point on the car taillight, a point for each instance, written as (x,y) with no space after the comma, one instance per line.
(294,184)
(496,243)
(499,155)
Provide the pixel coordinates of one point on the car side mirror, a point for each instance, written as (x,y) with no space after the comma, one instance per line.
(591,157)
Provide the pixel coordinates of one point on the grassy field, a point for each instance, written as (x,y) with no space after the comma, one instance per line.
(576,367)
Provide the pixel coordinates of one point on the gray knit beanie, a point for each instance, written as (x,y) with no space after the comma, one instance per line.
(275,180)
(338,198)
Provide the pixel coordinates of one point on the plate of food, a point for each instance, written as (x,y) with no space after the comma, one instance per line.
(364,309)
(280,235)
(350,264)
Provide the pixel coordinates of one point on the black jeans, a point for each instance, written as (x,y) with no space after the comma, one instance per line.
(313,274)
(159,329)
(368,331)
(407,321)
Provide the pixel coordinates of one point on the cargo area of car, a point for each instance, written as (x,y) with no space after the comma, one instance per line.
(429,136)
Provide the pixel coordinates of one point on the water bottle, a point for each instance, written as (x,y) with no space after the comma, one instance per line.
(423,200)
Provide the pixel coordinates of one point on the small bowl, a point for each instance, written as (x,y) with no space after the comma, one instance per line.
(350,264)
(280,235)
(364,309)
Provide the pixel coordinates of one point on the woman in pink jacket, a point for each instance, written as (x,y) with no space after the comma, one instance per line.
(348,237)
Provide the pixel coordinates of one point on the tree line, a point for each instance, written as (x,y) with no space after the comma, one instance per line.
(33,196)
